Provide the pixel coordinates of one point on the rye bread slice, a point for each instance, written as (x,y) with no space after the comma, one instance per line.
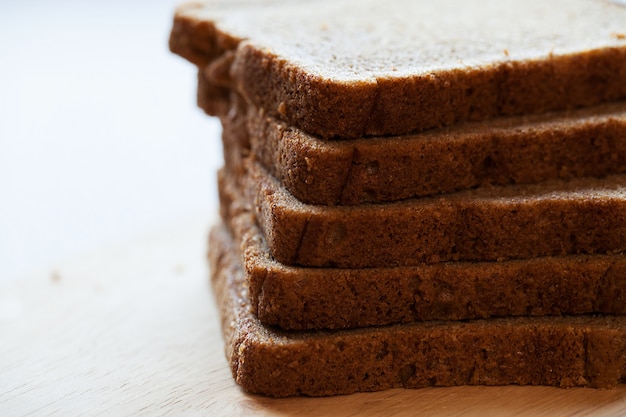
(583,215)
(354,68)
(299,298)
(514,150)
(560,351)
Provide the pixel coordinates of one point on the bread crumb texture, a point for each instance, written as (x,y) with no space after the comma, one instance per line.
(339,41)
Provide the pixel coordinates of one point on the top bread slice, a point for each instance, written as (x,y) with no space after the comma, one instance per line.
(348,68)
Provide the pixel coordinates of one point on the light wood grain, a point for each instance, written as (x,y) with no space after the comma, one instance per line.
(132,330)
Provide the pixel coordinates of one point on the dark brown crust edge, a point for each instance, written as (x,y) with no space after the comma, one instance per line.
(489,224)
(563,351)
(519,150)
(400,106)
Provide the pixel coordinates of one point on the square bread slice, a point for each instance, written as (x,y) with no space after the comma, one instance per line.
(582,215)
(300,298)
(513,150)
(354,68)
(560,351)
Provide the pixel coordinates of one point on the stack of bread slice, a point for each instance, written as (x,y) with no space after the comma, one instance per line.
(417,193)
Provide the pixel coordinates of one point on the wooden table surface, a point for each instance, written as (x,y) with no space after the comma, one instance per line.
(131,330)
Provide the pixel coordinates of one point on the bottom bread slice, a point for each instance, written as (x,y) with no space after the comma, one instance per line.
(558,351)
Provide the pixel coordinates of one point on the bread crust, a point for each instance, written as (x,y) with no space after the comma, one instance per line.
(582,215)
(515,150)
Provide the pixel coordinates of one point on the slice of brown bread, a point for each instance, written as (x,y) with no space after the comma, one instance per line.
(314,298)
(519,150)
(560,351)
(584,215)
(348,68)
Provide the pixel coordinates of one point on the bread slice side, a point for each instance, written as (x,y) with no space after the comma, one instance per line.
(559,351)
(518,150)
(584,215)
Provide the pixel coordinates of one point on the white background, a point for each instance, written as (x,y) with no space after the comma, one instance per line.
(100,137)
